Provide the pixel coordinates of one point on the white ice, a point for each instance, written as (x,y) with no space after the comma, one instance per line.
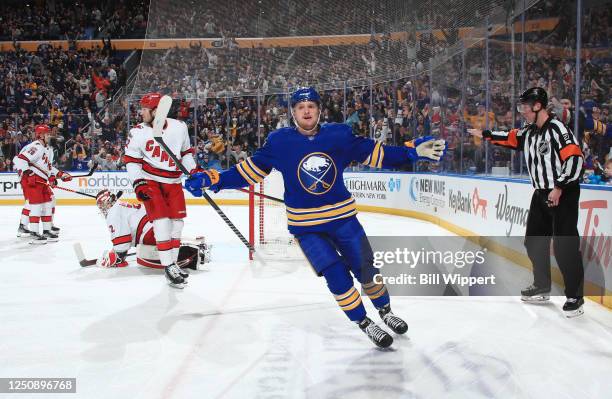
(247,331)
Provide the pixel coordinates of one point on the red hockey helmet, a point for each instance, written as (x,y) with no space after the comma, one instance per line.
(150,100)
(41,130)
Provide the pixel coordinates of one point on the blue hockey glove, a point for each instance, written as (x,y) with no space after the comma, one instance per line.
(201,180)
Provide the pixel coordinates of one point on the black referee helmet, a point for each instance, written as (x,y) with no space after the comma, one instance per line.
(533,95)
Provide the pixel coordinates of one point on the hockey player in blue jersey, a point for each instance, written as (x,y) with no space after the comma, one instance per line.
(321,212)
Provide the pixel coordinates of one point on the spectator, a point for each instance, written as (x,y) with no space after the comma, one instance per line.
(237,154)
(79,162)
(108,163)
(3,166)
(608,172)
(206,162)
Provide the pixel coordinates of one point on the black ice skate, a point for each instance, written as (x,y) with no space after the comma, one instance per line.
(173,275)
(535,294)
(184,273)
(376,334)
(22,231)
(55,230)
(396,324)
(37,239)
(51,237)
(573,307)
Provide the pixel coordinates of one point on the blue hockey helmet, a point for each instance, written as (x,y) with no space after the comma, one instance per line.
(305,94)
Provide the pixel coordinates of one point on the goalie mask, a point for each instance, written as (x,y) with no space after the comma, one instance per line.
(105,201)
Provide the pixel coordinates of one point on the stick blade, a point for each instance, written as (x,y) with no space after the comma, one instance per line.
(161,113)
(78,250)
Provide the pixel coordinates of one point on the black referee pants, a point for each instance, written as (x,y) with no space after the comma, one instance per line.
(561,224)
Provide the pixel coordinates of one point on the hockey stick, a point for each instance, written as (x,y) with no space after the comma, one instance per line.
(84,262)
(244,190)
(91,171)
(73,191)
(119,193)
(158,124)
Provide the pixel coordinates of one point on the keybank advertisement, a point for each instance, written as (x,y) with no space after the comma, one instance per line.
(486,207)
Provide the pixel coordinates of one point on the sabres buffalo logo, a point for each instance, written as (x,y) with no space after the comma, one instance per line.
(317,173)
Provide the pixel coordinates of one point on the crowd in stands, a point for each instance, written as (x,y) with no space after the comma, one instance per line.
(280,18)
(66,89)
(70,20)
(433,101)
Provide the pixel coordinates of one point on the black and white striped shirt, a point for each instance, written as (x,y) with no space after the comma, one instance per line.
(552,153)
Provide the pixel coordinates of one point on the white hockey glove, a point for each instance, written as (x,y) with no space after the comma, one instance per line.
(428,148)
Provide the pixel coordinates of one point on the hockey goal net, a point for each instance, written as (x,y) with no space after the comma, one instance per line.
(268,231)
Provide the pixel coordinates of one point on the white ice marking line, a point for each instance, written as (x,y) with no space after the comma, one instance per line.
(175,378)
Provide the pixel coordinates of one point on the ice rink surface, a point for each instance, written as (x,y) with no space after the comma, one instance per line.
(248,331)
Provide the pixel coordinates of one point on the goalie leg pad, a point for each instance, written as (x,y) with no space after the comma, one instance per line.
(188,257)
(147,256)
(204,251)
(194,256)
(154,264)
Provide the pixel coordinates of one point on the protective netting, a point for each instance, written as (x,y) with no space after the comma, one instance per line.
(237,47)
(392,70)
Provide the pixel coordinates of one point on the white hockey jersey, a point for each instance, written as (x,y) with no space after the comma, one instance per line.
(36,157)
(145,159)
(128,225)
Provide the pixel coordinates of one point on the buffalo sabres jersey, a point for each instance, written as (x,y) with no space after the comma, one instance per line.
(37,158)
(128,225)
(146,159)
(312,167)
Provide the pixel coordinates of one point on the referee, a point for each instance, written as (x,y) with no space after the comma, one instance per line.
(554,161)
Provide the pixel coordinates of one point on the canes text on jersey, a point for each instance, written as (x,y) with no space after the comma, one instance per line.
(157,152)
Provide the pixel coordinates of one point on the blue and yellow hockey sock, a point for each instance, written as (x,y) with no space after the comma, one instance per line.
(378,294)
(340,283)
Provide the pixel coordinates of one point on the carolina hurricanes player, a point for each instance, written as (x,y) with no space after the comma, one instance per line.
(37,174)
(130,226)
(157,182)
(22,230)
